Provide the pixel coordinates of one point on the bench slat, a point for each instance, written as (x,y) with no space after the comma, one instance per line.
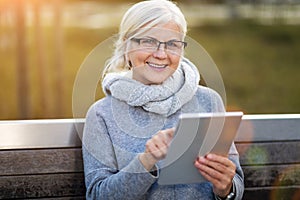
(64,198)
(269,153)
(269,128)
(49,185)
(40,161)
(284,193)
(273,175)
(60,133)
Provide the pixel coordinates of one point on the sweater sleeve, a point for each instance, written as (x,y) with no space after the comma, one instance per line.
(103,179)
(238,179)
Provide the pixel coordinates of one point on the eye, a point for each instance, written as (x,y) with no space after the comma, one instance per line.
(173,44)
(148,42)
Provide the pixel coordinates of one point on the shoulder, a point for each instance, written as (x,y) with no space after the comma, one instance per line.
(209,98)
(99,107)
(207,92)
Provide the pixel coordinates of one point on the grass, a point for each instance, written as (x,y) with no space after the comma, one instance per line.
(259,64)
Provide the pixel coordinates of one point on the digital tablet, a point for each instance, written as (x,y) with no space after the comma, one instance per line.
(197,134)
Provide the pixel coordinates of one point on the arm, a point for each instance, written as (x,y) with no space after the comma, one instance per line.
(103,178)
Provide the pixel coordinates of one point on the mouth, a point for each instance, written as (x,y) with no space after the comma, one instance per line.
(157,66)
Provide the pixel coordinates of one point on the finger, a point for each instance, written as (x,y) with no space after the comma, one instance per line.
(209,168)
(167,135)
(221,159)
(163,138)
(222,164)
(158,144)
(154,152)
(219,182)
(216,183)
(215,172)
(153,145)
(210,165)
(156,147)
(171,132)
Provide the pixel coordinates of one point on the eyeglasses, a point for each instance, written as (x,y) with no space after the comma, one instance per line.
(152,44)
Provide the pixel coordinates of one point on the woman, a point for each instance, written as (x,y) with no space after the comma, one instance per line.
(148,83)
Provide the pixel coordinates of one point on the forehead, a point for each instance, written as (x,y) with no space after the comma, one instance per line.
(165,31)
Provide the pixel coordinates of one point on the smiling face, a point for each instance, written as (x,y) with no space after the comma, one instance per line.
(154,66)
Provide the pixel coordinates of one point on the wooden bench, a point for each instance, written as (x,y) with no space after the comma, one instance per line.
(41,159)
(269,147)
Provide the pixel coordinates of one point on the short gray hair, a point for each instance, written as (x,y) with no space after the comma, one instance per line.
(139,17)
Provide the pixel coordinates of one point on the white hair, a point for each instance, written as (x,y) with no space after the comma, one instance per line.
(138,18)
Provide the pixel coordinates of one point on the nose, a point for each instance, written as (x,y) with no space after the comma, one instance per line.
(160,52)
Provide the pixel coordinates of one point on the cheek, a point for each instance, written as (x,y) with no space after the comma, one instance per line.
(174,62)
(137,57)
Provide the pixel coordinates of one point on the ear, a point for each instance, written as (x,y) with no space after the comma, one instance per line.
(130,64)
(127,62)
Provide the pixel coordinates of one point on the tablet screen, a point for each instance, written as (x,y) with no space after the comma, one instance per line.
(197,134)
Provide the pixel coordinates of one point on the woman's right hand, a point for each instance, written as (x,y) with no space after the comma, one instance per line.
(156,148)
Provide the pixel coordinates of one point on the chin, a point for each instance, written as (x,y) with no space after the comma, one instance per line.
(160,80)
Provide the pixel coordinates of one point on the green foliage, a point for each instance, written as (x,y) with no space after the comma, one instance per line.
(259,64)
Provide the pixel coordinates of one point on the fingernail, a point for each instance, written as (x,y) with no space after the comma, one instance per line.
(201,158)
(209,156)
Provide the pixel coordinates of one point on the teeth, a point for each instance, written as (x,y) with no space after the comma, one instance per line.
(156,65)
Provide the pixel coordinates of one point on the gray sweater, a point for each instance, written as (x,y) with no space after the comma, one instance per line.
(116,132)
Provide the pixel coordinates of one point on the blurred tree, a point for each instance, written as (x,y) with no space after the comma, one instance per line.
(58,55)
(22,65)
(43,78)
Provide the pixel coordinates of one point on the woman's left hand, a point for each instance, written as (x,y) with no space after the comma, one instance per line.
(218,170)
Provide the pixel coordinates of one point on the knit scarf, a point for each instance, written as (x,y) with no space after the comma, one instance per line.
(164,99)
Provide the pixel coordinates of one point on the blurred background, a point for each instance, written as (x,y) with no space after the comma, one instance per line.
(254,43)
